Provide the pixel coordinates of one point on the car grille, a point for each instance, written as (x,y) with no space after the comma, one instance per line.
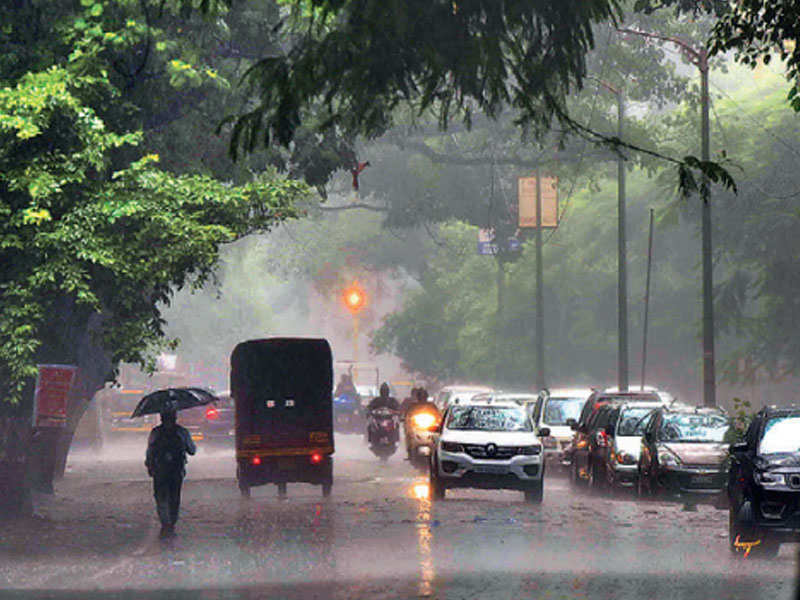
(502,452)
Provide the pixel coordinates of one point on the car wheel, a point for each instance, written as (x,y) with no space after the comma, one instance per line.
(535,494)
(741,532)
(641,490)
(437,488)
(596,477)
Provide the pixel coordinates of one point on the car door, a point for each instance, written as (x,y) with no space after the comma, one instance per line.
(648,455)
(583,441)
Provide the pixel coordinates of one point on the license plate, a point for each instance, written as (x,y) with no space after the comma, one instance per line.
(285,463)
(702,479)
(491,469)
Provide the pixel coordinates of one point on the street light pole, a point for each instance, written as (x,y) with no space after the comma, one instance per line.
(699,58)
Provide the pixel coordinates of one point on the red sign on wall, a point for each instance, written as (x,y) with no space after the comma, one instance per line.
(53,384)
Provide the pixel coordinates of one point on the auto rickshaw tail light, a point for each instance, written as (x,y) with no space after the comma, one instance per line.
(316,458)
(212,413)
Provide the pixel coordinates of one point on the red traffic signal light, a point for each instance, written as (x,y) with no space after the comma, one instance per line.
(354,298)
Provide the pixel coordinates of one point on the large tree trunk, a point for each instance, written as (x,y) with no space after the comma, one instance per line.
(15,491)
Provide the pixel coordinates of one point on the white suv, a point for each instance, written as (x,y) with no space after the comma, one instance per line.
(488,444)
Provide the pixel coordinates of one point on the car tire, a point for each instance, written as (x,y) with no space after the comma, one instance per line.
(535,494)
(437,488)
(641,490)
(596,477)
(740,526)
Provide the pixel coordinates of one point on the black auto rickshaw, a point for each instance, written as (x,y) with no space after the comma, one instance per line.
(282,389)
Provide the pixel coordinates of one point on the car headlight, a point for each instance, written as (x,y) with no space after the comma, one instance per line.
(768,479)
(668,459)
(530,450)
(451,447)
(424,420)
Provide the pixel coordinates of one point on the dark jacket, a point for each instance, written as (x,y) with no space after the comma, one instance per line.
(167,448)
(381,402)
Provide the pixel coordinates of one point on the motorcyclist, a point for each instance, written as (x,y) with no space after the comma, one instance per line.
(345,387)
(419,403)
(384,400)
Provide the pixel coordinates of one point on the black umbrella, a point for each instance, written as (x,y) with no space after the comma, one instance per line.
(172,399)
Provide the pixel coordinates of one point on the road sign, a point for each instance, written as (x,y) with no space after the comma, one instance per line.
(526,193)
(53,384)
(488,245)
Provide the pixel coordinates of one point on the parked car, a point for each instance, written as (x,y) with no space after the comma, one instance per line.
(579,473)
(490,445)
(456,394)
(684,452)
(218,427)
(628,424)
(764,483)
(553,409)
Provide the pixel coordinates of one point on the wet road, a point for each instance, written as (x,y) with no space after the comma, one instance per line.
(378,536)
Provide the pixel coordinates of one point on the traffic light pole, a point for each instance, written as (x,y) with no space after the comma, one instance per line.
(355,338)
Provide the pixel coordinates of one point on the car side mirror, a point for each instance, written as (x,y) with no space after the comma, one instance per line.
(544,432)
(573,424)
(738,447)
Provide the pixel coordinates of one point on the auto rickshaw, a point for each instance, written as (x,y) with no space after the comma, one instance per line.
(282,389)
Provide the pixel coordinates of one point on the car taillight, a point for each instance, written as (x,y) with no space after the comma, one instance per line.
(316,458)
(211,413)
(256,460)
(602,439)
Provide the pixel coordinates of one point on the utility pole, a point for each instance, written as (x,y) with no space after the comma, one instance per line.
(500,313)
(622,259)
(622,269)
(699,58)
(540,379)
(647,299)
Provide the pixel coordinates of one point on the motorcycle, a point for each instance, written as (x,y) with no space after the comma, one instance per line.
(421,426)
(346,418)
(383,432)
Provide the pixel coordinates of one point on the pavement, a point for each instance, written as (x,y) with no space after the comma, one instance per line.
(378,536)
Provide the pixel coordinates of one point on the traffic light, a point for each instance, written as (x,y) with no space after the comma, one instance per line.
(354,298)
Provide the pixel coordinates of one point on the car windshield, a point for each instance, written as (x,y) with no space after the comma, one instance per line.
(558,410)
(781,435)
(693,428)
(489,418)
(633,421)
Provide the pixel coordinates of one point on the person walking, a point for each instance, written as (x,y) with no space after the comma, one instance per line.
(167,447)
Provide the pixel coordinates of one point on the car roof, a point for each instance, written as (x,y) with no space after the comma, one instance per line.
(465,388)
(511,396)
(653,405)
(695,410)
(491,404)
(570,392)
(781,410)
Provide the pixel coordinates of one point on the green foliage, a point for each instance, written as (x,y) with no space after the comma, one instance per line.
(91,221)
(363,59)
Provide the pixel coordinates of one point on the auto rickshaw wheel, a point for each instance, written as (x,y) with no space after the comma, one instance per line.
(282,489)
(326,489)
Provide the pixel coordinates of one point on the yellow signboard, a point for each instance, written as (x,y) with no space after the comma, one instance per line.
(527,201)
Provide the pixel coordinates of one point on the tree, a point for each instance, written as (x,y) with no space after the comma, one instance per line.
(95,237)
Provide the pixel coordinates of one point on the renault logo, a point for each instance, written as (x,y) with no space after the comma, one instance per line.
(491,449)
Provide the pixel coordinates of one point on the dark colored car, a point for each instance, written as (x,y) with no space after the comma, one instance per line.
(684,453)
(764,483)
(624,436)
(218,426)
(588,458)
(580,441)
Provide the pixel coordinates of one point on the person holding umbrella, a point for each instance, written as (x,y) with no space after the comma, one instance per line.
(167,447)
(165,461)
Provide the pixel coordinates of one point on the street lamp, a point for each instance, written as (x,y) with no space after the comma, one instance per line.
(699,58)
